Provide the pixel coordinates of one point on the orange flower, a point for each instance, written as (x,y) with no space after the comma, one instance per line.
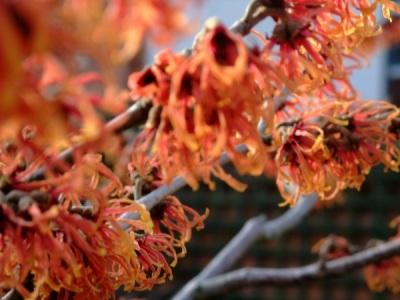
(177,220)
(298,164)
(170,216)
(392,142)
(302,58)
(204,109)
(48,94)
(156,255)
(334,147)
(312,41)
(154,83)
(75,241)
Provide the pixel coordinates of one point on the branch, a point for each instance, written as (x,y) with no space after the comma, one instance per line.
(255,12)
(290,218)
(258,276)
(12,295)
(252,230)
(158,195)
(135,115)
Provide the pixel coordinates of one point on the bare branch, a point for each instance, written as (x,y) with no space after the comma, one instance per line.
(255,12)
(227,257)
(136,114)
(260,276)
(291,218)
(253,229)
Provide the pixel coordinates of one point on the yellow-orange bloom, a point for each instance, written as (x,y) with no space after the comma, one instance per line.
(205,110)
(335,146)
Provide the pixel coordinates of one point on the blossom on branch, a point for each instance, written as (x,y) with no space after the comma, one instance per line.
(335,146)
(204,109)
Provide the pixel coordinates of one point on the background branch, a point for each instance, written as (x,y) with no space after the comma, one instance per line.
(253,229)
(260,276)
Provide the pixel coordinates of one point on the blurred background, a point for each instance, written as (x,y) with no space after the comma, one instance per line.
(362,215)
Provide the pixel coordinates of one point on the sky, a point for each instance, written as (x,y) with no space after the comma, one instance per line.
(370,81)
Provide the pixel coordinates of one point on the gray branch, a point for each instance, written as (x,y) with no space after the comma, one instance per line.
(290,218)
(255,12)
(253,229)
(156,196)
(261,276)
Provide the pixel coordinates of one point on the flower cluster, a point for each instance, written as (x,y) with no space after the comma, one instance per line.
(204,108)
(313,42)
(66,235)
(63,235)
(335,146)
(320,141)
(52,45)
(170,216)
(116,29)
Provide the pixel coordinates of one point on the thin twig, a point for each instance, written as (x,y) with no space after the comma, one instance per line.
(260,276)
(12,295)
(255,12)
(253,229)
(135,115)
(290,218)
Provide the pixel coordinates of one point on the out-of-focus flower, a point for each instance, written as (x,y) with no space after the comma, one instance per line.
(385,274)
(51,46)
(332,247)
(115,29)
(47,94)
